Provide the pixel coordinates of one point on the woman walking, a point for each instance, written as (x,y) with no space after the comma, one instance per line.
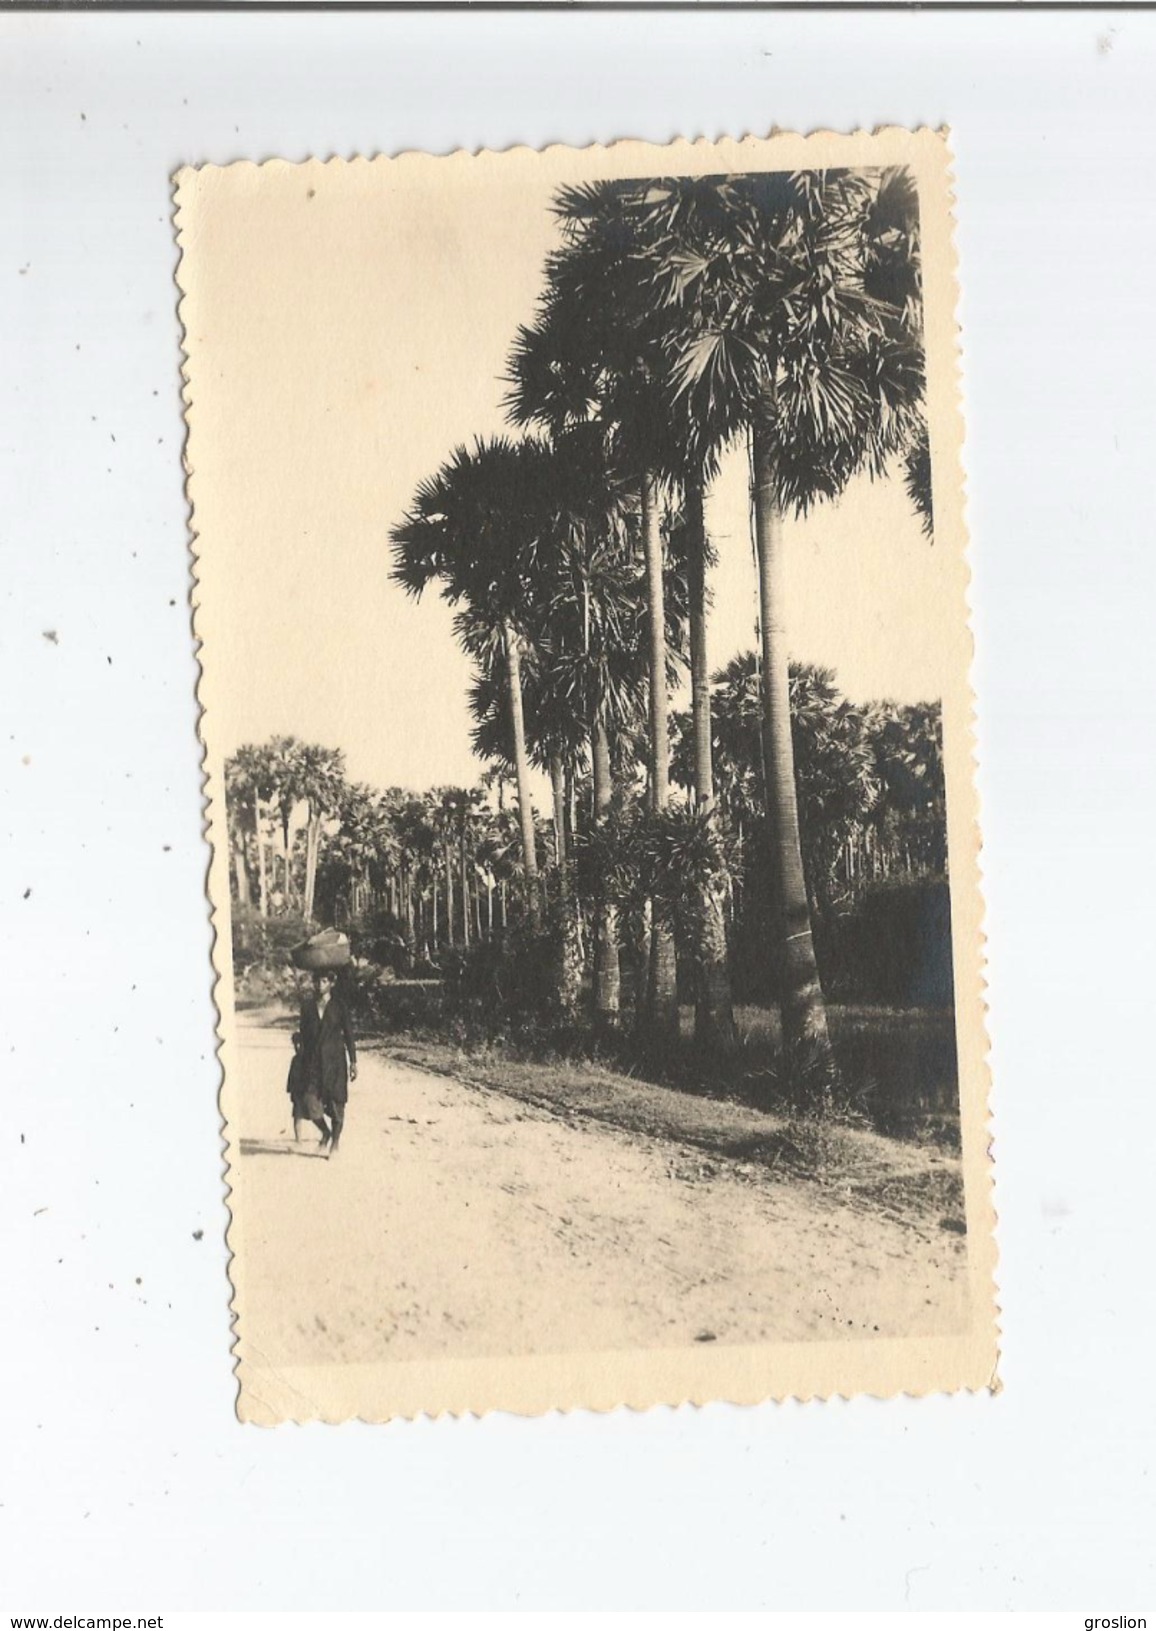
(330,1054)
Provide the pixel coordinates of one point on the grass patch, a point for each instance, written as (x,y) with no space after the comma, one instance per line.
(899,1064)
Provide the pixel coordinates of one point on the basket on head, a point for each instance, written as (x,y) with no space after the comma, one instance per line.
(327,950)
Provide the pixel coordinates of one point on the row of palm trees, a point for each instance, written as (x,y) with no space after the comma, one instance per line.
(268,786)
(307,843)
(679,317)
(442,866)
(869,778)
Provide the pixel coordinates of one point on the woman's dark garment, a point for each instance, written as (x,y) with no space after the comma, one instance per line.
(327,1043)
(302,1091)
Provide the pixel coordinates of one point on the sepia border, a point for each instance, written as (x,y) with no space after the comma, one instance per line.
(269,1394)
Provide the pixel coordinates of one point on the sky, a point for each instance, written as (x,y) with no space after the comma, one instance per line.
(351,326)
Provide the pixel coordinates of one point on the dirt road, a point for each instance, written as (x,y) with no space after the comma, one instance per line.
(454,1223)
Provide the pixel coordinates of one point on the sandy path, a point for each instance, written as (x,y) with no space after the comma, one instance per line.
(455,1222)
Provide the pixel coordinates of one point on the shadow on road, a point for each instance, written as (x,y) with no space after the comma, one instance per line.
(264,1146)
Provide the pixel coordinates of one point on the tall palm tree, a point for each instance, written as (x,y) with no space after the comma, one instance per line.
(594,357)
(584,611)
(602,347)
(472,527)
(594,627)
(797,300)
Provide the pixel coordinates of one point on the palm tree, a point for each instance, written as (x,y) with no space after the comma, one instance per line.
(583,611)
(910,820)
(364,850)
(242,818)
(455,811)
(798,303)
(594,356)
(286,772)
(473,528)
(838,783)
(250,783)
(321,782)
(594,625)
(736,715)
(602,348)
(917,478)
(415,823)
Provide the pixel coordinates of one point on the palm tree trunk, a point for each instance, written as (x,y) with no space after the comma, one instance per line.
(804,1014)
(662,985)
(308,866)
(241,869)
(262,875)
(465,893)
(568,972)
(699,667)
(288,837)
(656,635)
(449,866)
(312,845)
(714,1019)
(645,963)
(607,969)
(558,792)
(522,774)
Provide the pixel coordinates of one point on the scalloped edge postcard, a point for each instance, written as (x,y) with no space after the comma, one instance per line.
(580,593)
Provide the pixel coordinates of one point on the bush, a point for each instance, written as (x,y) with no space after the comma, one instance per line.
(892,945)
(803,1080)
(507,984)
(261,984)
(265,942)
(248,939)
(383,939)
(379,1001)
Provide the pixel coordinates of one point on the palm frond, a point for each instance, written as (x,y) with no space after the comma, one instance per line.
(917,478)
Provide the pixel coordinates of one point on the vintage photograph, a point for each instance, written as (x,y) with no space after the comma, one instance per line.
(580,592)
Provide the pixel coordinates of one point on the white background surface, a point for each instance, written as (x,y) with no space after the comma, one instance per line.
(127,1484)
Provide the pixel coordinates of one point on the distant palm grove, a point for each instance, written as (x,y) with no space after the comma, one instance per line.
(777,843)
